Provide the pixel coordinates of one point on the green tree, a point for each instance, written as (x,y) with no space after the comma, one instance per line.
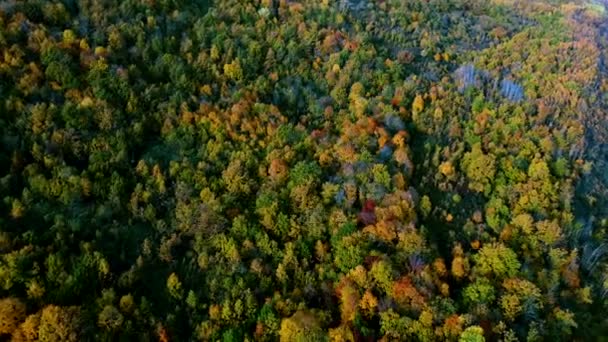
(480,169)
(496,261)
(472,334)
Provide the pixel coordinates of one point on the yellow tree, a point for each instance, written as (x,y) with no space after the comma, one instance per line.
(12,312)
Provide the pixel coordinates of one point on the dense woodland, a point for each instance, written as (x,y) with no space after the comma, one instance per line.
(315,170)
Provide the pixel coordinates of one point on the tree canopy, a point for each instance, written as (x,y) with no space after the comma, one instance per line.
(281,170)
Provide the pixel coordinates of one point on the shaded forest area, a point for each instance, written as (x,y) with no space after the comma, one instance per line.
(315,170)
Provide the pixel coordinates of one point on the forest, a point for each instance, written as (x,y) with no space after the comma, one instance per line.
(303,170)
